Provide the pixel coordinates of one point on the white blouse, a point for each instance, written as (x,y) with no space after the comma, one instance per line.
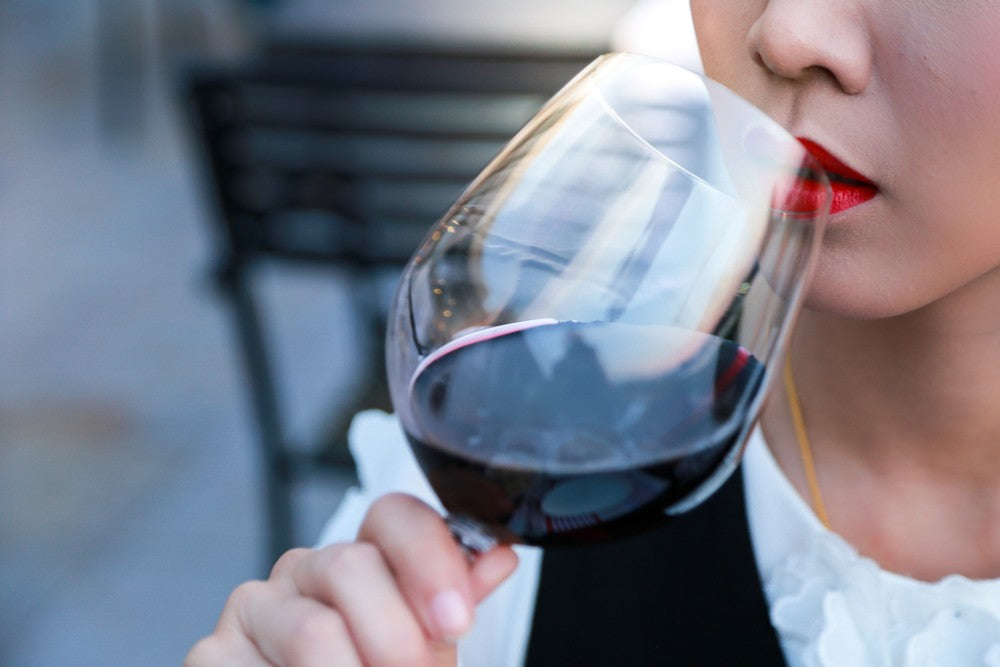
(829,605)
(832,606)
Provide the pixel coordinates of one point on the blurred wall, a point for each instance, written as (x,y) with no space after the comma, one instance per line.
(552,23)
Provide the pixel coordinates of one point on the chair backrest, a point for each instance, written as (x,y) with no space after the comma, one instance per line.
(351,153)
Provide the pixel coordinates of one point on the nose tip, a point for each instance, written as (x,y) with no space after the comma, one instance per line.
(797,40)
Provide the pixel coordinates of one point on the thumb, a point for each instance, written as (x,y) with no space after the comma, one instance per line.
(445,655)
(486,572)
(490,569)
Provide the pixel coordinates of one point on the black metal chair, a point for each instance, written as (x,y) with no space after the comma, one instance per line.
(343,156)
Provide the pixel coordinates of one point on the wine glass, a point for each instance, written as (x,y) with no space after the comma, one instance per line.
(581,345)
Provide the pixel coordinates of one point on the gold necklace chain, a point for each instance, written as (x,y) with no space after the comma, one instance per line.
(805,450)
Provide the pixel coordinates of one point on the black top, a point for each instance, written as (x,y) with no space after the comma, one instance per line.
(685,594)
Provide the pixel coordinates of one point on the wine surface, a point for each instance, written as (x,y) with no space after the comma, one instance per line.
(564,432)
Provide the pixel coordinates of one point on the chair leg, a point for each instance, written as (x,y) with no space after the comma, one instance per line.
(375,315)
(280,515)
(278,472)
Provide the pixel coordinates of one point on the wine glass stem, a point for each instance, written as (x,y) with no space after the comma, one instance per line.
(470,536)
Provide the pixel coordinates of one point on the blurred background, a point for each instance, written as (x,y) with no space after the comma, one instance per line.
(131,475)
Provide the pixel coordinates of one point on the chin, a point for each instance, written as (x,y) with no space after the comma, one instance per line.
(850,307)
(858,296)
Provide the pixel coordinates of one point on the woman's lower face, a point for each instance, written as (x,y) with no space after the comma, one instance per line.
(904,93)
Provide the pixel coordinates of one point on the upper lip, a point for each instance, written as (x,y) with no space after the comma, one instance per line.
(834,166)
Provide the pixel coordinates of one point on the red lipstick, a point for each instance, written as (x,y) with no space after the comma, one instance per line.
(850,188)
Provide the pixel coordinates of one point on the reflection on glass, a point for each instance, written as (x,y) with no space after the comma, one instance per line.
(568,350)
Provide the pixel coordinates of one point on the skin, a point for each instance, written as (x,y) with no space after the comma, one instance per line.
(895,356)
(889,88)
(381,600)
(896,352)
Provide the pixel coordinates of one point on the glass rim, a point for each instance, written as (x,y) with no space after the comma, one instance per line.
(601,68)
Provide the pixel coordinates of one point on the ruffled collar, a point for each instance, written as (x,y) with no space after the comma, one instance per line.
(832,606)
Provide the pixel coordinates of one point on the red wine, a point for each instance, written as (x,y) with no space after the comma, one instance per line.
(560,432)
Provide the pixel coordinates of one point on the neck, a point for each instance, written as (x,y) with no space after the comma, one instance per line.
(918,387)
(904,418)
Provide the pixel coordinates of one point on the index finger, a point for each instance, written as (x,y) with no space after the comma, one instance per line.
(431,570)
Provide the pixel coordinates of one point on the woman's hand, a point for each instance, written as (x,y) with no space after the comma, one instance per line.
(402,594)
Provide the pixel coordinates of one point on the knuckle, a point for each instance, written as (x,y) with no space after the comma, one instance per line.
(350,558)
(223,649)
(245,593)
(393,504)
(315,629)
(205,652)
(287,561)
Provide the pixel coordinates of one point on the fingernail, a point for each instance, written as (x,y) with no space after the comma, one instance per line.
(451,614)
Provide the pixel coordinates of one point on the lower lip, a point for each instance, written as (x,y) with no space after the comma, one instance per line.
(849,188)
(809,195)
(849,195)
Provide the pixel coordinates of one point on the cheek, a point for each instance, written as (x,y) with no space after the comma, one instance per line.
(947,103)
(943,81)
(721,27)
